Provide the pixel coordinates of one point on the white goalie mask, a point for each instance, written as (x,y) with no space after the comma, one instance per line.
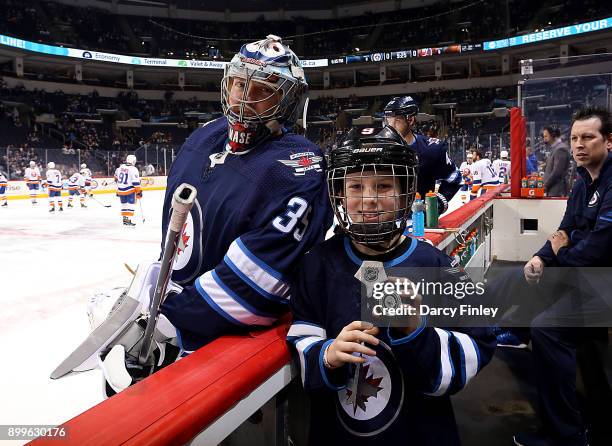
(262,87)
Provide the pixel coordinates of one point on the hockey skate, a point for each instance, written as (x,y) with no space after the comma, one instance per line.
(128,222)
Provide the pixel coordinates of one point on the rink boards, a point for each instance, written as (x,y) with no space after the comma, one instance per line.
(18,190)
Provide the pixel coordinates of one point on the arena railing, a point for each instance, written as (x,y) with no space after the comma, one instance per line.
(207,395)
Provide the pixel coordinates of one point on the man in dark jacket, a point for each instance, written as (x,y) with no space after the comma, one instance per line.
(557,164)
(584,239)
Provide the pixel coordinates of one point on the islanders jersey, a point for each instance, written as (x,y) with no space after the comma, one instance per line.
(87,176)
(54,180)
(128,180)
(406,386)
(466,169)
(483,176)
(502,167)
(76,181)
(3,182)
(254,217)
(32,175)
(435,164)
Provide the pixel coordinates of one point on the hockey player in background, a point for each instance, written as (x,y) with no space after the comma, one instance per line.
(128,188)
(76,188)
(32,178)
(401,393)
(466,177)
(434,163)
(54,185)
(87,176)
(502,167)
(3,186)
(261,204)
(484,177)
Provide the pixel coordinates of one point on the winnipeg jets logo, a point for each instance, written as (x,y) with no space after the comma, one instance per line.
(366,387)
(374,397)
(303,162)
(185,245)
(594,199)
(182,244)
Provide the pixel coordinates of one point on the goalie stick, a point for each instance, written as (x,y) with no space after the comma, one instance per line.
(182,202)
(126,309)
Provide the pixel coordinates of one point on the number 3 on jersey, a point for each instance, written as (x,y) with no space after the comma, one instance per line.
(296,208)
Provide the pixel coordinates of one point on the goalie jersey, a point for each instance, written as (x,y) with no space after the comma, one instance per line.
(254,217)
(404,395)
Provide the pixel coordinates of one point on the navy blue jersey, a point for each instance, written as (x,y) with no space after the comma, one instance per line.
(406,386)
(587,222)
(255,215)
(435,164)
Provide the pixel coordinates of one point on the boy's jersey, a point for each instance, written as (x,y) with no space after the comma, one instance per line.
(54,179)
(3,180)
(483,173)
(254,217)
(128,180)
(406,386)
(32,175)
(502,167)
(76,181)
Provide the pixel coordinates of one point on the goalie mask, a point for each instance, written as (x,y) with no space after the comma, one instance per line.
(372,182)
(262,87)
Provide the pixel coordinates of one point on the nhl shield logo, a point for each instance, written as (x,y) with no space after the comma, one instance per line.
(379,397)
(594,199)
(370,274)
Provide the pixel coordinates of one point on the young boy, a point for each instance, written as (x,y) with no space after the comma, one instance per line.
(400,392)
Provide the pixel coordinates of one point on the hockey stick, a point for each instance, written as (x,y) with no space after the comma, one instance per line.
(182,202)
(141,212)
(99,202)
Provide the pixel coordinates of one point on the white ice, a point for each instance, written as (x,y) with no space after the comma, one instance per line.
(51,265)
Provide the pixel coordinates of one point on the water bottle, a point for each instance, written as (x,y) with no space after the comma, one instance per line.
(418,216)
(431,201)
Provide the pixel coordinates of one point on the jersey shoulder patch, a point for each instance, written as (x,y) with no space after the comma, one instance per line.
(299,155)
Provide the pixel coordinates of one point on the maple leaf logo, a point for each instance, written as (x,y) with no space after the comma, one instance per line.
(182,245)
(367,387)
(305,161)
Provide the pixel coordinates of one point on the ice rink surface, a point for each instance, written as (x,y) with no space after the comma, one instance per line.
(51,265)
